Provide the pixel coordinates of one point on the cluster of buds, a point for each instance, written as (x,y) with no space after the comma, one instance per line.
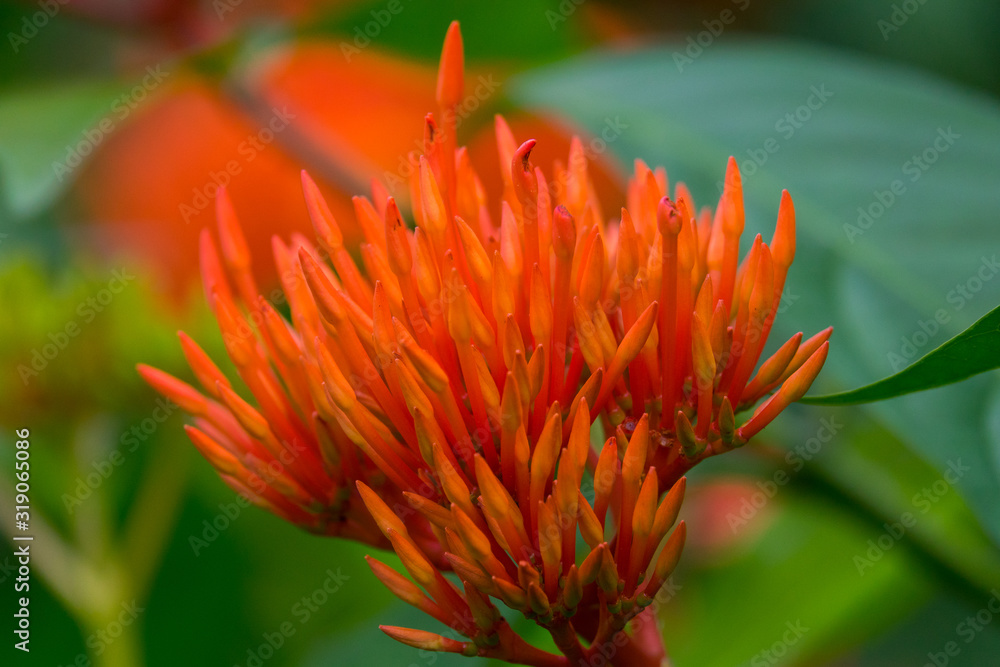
(440,401)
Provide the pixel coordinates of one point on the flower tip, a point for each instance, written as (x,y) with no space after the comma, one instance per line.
(308,184)
(385,518)
(691,446)
(668,217)
(733,177)
(523,174)
(213,277)
(783,241)
(800,381)
(234,245)
(451,72)
(727,421)
(245,414)
(310,267)
(214,453)
(733,218)
(563,233)
(628,250)
(421,639)
(636,337)
(523,153)
(324,224)
(181,393)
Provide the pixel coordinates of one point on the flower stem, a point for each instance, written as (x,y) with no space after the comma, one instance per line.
(640,644)
(645,646)
(122,651)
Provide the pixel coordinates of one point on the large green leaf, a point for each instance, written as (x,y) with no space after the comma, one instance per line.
(897,257)
(45,134)
(975,350)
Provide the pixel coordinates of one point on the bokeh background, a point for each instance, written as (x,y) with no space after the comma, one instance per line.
(839,538)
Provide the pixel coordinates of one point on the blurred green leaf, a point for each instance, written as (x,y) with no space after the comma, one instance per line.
(894,178)
(953,39)
(794,594)
(929,632)
(43,134)
(72,338)
(523,30)
(975,350)
(844,486)
(897,484)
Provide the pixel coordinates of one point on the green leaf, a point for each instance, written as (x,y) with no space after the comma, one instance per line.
(798,573)
(898,484)
(42,130)
(975,350)
(896,235)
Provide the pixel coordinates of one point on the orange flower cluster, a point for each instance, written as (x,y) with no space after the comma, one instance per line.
(441,400)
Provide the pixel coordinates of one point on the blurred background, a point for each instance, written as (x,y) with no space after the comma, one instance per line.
(851,537)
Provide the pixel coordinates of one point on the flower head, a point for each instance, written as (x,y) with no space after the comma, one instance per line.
(439,398)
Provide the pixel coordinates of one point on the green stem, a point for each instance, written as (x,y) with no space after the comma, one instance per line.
(125,650)
(153,515)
